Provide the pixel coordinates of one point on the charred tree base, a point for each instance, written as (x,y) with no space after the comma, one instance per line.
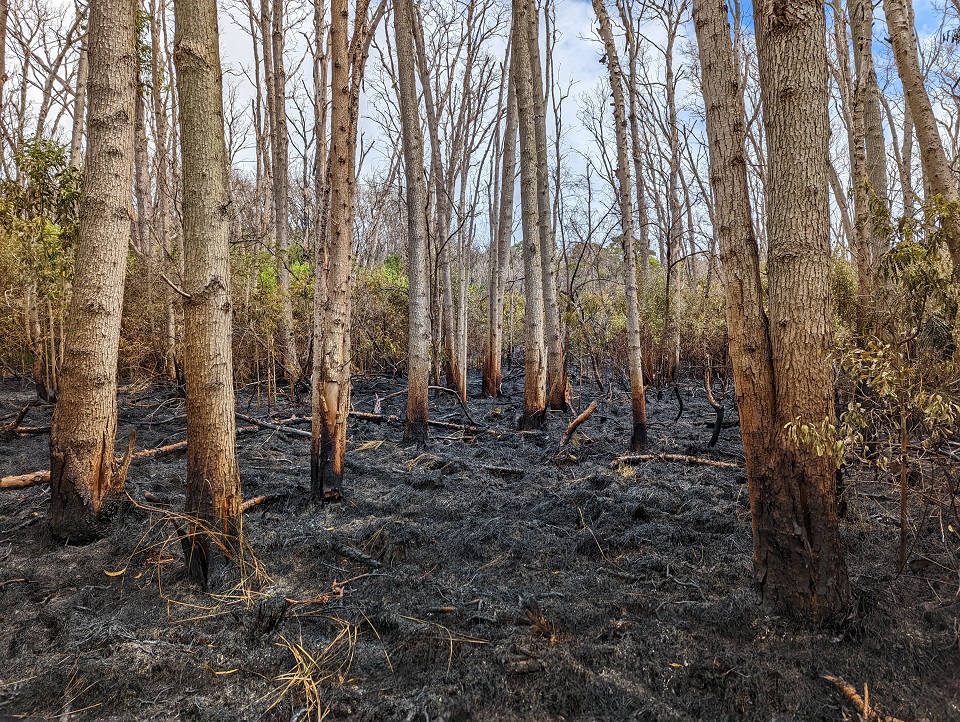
(638,441)
(532,420)
(491,385)
(73,521)
(326,475)
(798,559)
(416,432)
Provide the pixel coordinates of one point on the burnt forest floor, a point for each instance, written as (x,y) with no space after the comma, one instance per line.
(483,578)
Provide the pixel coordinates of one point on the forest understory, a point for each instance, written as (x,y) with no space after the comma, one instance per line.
(492,576)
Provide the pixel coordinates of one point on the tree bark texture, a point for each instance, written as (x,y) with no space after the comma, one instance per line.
(535,372)
(800,564)
(638,403)
(85,478)
(213,479)
(418,353)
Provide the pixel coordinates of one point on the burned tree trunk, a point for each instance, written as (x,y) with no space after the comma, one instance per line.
(780,367)
(638,404)
(213,478)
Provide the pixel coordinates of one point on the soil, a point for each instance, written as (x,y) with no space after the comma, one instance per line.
(488,577)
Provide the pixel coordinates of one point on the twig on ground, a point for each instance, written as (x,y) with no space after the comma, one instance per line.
(683,458)
(868,712)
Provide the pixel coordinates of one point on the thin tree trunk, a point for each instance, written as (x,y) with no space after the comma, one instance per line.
(331,371)
(86,480)
(535,372)
(625,196)
(876,152)
(418,354)
(553,336)
(500,256)
(161,166)
(671,322)
(80,104)
(455,376)
(141,167)
(281,194)
(213,478)
(933,158)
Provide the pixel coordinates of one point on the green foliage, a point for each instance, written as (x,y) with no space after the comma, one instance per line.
(381,305)
(39,218)
(843,290)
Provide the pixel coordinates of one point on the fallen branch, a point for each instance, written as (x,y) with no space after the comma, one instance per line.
(568,434)
(13,428)
(274,427)
(683,458)
(868,712)
(250,503)
(34,478)
(378,404)
(393,419)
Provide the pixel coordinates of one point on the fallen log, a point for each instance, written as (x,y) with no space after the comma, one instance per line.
(34,478)
(22,481)
(682,458)
(568,434)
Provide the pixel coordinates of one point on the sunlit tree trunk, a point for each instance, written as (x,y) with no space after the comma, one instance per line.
(213,479)
(624,195)
(553,337)
(331,371)
(535,372)
(936,167)
(85,478)
(799,559)
(418,354)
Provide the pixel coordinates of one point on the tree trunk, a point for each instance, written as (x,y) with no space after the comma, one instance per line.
(141,167)
(281,194)
(799,559)
(553,336)
(331,358)
(634,342)
(853,94)
(670,343)
(500,247)
(418,354)
(80,103)
(933,158)
(161,167)
(876,151)
(535,372)
(213,478)
(86,480)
